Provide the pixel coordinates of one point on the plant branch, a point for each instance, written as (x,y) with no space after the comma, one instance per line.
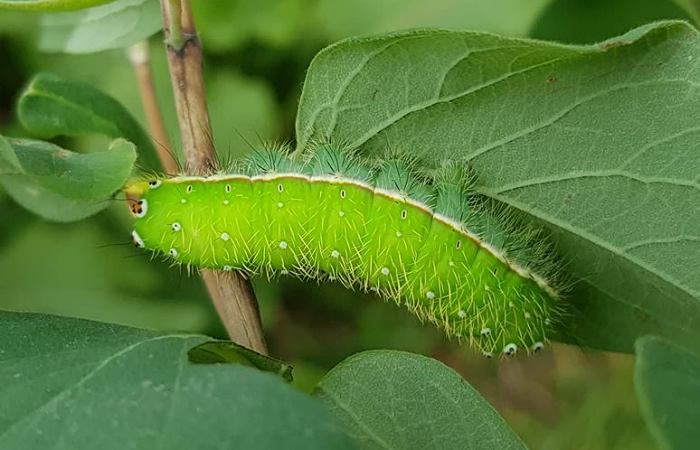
(140,60)
(231,294)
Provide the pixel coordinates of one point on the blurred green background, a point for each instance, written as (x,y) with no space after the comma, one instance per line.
(256,54)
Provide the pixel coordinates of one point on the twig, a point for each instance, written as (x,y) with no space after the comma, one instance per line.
(141,62)
(231,293)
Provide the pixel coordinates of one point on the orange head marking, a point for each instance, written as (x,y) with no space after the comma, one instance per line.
(134,193)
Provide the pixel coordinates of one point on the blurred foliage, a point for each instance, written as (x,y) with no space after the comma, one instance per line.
(571,21)
(100,28)
(256,55)
(49,5)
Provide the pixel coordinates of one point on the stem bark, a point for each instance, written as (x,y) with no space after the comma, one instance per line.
(230,292)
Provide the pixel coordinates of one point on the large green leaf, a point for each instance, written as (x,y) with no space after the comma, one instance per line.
(61,185)
(71,383)
(49,5)
(597,143)
(667,381)
(115,25)
(52,106)
(399,400)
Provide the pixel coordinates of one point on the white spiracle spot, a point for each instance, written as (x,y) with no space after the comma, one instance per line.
(283,245)
(136,239)
(461,314)
(176,226)
(430,295)
(385,271)
(172,252)
(142,208)
(537,346)
(510,349)
(335,254)
(486,332)
(225,236)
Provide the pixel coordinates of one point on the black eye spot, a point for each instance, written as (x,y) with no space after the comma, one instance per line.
(404,214)
(280,188)
(343,194)
(458,245)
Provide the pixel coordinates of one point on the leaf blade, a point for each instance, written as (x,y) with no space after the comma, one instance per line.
(551,130)
(667,383)
(135,388)
(392,399)
(51,106)
(65,186)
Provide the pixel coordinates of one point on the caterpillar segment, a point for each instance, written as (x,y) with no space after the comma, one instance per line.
(425,245)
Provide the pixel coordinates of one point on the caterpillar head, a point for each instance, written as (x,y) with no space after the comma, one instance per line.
(134,197)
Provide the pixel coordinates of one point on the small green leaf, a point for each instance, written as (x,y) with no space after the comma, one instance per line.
(49,5)
(51,106)
(596,143)
(667,382)
(399,400)
(64,186)
(70,384)
(9,164)
(215,352)
(118,24)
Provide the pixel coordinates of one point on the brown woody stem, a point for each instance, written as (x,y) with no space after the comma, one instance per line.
(231,294)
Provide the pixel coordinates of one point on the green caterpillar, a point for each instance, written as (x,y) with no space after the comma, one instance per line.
(426,245)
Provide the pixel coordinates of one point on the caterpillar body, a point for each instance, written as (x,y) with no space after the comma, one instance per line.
(426,246)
